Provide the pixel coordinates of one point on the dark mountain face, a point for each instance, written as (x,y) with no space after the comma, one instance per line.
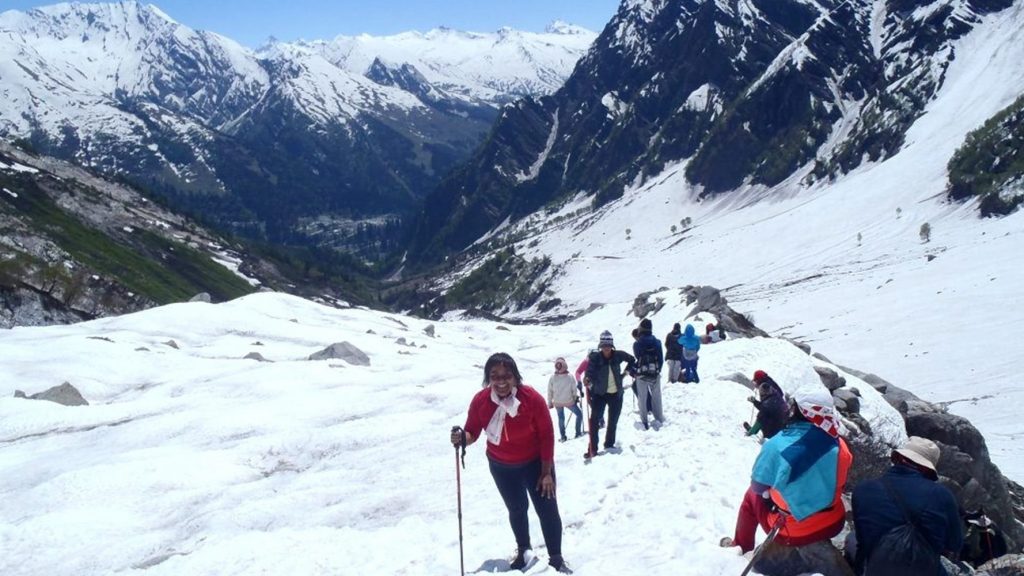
(750,92)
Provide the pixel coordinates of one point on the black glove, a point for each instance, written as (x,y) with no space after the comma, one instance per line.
(458,437)
(746,426)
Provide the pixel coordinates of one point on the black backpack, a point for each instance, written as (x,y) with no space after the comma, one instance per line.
(647,362)
(902,551)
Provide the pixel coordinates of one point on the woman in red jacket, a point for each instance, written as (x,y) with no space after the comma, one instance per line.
(521,453)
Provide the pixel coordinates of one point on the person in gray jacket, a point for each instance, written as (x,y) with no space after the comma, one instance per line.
(604,382)
(649,361)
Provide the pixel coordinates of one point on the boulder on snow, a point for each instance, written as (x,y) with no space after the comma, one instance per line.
(830,378)
(172,344)
(848,398)
(201,297)
(801,345)
(429,330)
(255,356)
(65,394)
(342,351)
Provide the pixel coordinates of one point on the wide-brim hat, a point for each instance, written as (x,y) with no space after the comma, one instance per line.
(921,451)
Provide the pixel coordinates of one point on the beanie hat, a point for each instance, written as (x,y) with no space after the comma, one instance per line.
(709,328)
(818,408)
(759,376)
(606,340)
(920,451)
(645,324)
(676,327)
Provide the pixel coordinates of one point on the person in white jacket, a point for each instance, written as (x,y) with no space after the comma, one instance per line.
(562,394)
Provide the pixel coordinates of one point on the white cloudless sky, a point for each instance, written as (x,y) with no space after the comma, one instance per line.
(252,22)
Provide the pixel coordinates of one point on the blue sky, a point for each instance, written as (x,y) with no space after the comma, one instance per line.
(251,22)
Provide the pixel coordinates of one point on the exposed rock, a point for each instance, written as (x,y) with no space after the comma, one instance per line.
(830,378)
(819,558)
(172,344)
(257,343)
(201,297)
(103,338)
(255,356)
(503,328)
(429,330)
(142,349)
(642,306)
(401,341)
(840,404)
(967,468)
(1008,565)
(849,398)
(739,378)
(370,332)
(801,345)
(343,351)
(65,394)
(821,357)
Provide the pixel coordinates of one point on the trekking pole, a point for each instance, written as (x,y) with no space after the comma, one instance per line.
(771,536)
(590,425)
(458,491)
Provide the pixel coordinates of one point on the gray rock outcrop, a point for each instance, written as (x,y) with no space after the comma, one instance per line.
(342,351)
(65,394)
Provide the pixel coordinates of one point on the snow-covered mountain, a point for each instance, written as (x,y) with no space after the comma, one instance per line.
(842,263)
(493,67)
(778,94)
(262,142)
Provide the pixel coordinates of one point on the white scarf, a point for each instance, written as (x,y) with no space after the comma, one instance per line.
(507,405)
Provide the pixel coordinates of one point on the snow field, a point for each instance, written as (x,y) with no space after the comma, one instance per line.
(194,461)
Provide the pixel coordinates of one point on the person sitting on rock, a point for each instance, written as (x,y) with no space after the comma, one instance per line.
(983,540)
(888,511)
(712,334)
(796,486)
(772,409)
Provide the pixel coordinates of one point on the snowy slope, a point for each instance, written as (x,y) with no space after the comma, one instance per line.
(492,67)
(193,461)
(948,329)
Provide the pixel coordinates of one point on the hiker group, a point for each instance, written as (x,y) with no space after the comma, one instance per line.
(905,522)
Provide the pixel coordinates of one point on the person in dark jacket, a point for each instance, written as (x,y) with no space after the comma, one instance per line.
(913,480)
(674,353)
(515,420)
(604,382)
(649,357)
(690,343)
(772,408)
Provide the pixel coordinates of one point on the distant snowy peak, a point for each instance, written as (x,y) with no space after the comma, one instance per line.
(493,67)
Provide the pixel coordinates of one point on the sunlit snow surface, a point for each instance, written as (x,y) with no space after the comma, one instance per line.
(191,460)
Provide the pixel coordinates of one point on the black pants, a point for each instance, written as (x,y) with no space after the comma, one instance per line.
(614,404)
(514,482)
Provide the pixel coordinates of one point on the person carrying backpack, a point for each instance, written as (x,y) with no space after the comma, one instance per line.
(690,344)
(905,520)
(674,353)
(797,485)
(604,382)
(772,409)
(649,360)
(562,394)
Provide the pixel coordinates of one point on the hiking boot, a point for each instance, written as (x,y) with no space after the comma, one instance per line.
(519,562)
(562,439)
(579,435)
(558,563)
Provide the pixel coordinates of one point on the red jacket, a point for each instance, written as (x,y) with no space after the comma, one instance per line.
(528,436)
